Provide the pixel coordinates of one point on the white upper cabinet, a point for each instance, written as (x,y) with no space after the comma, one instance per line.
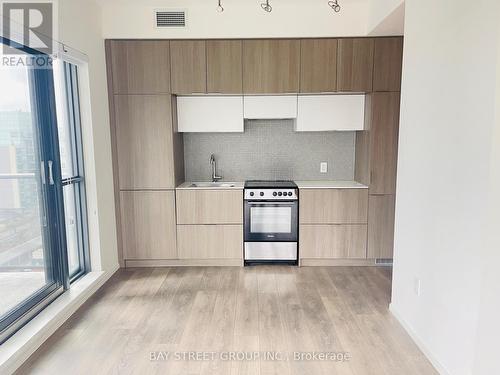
(204,114)
(270,106)
(330,112)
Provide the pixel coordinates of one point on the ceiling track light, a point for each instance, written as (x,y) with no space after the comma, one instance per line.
(220,8)
(334,4)
(267,7)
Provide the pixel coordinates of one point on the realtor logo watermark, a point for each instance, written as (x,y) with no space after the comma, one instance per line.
(34,21)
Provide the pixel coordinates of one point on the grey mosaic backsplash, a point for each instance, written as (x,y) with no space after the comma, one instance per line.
(270,149)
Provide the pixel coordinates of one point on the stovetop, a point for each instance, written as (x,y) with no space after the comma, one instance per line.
(270,184)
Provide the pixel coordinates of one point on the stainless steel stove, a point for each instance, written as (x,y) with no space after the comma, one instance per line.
(271,222)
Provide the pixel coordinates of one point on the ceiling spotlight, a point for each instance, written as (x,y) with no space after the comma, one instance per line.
(220,8)
(266,6)
(334,4)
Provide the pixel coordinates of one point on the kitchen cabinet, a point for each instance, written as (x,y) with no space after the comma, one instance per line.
(318,65)
(140,67)
(202,206)
(224,66)
(188,66)
(333,206)
(145,142)
(387,64)
(270,106)
(330,112)
(355,64)
(381,226)
(333,241)
(148,224)
(203,114)
(271,66)
(384,131)
(210,241)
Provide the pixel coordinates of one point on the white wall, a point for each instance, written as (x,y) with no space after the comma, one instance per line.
(445,176)
(80,28)
(385,18)
(241,19)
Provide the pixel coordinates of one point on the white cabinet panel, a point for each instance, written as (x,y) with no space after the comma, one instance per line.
(204,114)
(330,112)
(270,106)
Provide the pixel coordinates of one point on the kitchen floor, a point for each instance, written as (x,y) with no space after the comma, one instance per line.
(191,320)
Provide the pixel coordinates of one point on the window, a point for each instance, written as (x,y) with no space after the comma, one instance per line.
(43,227)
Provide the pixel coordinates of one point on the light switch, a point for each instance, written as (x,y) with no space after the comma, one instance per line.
(323,167)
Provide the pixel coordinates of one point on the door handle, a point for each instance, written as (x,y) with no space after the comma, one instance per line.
(42,171)
(51,176)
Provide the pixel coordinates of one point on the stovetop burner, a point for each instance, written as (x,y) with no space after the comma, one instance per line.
(270,184)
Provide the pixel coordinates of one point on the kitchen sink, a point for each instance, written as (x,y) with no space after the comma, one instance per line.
(213,184)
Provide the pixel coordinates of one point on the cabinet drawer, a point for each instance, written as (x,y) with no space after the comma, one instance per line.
(332,241)
(333,206)
(209,207)
(210,241)
(148,224)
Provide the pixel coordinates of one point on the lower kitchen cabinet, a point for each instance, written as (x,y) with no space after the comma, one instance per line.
(148,224)
(381,226)
(332,241)
(210,241)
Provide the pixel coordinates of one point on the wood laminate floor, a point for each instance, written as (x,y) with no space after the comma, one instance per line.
(220,312)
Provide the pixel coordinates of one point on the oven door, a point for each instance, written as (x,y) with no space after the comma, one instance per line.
(271,221)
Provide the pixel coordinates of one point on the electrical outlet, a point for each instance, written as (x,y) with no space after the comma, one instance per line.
(417,286)
(323,167)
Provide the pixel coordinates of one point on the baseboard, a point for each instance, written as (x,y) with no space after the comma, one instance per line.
(421,345)
(310,262)
(17,349)
(183,263)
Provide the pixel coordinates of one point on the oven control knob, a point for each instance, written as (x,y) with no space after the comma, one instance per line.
(261,193)
(275,194)
(290,193)
(280,193)
(251,193)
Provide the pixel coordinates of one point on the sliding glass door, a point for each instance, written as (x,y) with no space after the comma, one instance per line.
(33,260)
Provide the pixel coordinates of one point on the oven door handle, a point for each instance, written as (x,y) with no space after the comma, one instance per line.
(271,203)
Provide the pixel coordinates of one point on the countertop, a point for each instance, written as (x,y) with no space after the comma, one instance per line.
(238,185)
(330,185)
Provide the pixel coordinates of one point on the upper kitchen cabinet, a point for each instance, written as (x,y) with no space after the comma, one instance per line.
(384,130)
(224,66)
(387,64)
(271,66)
(355,64)
(145,142)
(189,66)
(318,65)
(140,67)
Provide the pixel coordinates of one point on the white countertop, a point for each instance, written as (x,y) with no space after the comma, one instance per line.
(188,185)
(330,185)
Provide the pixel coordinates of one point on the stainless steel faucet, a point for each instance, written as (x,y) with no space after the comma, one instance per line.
(213,164)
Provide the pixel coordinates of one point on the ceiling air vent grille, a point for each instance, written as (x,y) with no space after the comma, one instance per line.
(170,18)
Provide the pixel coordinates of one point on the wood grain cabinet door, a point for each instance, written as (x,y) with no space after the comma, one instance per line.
(388,61)
(140,67)
(144,141)
(271,66)
(318,65)
(189,66)
(381,226)
(224,66)
(209,206)
(384,142)
(333,241)
(333,206)
(148,224)
(210,241)
(355,64)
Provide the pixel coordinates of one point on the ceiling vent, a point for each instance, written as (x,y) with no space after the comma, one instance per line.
(170,18)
